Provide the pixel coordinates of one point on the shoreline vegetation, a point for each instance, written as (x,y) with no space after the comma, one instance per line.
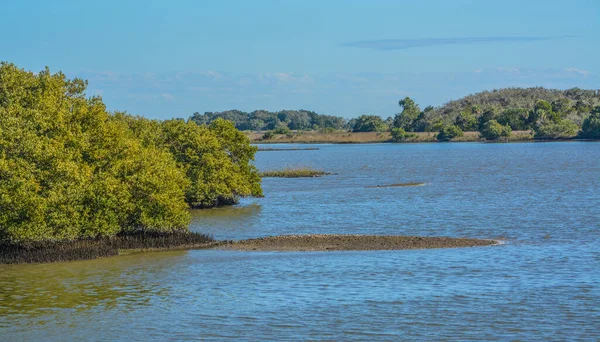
(294,173)
(343,137)
(79,182)
(88,249)
(510,114)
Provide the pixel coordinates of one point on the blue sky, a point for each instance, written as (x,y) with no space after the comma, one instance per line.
(164,59)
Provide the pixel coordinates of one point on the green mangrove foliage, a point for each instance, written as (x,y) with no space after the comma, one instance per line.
(70,170)
(215,158)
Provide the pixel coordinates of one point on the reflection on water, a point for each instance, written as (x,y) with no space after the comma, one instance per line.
(233,213)
(225,221)
(543,284)
(119,283)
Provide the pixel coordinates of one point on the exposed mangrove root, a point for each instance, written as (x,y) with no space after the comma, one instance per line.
(220,201)
(41,252)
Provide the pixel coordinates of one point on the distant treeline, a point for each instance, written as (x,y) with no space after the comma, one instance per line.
(549,113)
(262,120)
(70,170)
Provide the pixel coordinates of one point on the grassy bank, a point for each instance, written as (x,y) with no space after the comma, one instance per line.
(42,252)
(294,173)
(314,137)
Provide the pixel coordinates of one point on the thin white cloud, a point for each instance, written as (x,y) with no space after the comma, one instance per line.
(285,77)
(403,44)
(168,97)
(387,91)
(180,94)
(507,69)
(578,71)
(214,74)
(150,76)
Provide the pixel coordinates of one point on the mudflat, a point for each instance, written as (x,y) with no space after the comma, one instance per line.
(394,185)
(336,242)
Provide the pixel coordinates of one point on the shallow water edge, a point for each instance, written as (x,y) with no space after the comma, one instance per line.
(88,250)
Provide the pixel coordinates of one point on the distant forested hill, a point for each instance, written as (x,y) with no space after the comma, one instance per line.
(549,113)
(575,103)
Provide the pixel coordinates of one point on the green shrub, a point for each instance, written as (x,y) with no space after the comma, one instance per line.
(400,135)
(369,123)
(327,130)
(449,132)
(466,121)
(559,130)
(281,130)
(591,125)
(492,130)
(268,135)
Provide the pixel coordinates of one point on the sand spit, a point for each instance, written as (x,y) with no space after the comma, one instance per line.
(338,242)
(288,149)
(394,185)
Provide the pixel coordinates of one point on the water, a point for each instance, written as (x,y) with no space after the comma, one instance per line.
(544,283)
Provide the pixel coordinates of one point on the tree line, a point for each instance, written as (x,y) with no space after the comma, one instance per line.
(70,170)
(262,120)
(549,113)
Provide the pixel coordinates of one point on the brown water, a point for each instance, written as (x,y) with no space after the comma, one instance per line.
(544,283)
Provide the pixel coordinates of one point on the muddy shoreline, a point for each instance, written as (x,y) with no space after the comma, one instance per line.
(336,242)
(101,248)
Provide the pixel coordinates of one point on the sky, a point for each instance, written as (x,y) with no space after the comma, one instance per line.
(164,59)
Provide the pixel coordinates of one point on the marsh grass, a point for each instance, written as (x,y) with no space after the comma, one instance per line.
(340,137)
(43,252)
(295,173)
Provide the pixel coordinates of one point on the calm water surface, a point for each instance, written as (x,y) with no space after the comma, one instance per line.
(544,283)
